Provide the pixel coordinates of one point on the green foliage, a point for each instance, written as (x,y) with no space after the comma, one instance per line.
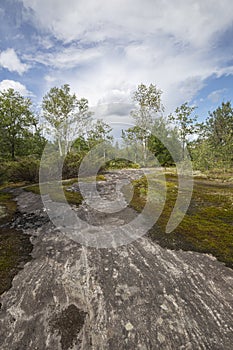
(16,120)
(219,131)
(202,155)
(214,147)
(66,115)
(148,105)
(99,132)
(80,145)
(3,176)
(71,165)
(26,169)
(120,163)
(148,98)
(133,138)
(185,123)
(32,145)
(219,125)
(161,140)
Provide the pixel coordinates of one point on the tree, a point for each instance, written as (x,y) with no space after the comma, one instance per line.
(163,139)
(99,133)
(80,145)
(148,105)
(219,132)
(131,138)
(66,116)
(185,123)
(16,120)
(219,125)
(32,144)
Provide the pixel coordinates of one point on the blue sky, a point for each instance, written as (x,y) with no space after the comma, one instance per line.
(104,49)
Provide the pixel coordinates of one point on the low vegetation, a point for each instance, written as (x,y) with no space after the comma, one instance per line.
(207,226)
(119,163)
(72,197)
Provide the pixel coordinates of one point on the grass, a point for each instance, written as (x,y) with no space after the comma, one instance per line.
(207,226)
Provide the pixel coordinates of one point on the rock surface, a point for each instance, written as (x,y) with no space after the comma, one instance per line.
(137,296)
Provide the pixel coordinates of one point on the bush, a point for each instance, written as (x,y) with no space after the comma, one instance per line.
(3,174)
(23,170)
(71,165)
(120,163)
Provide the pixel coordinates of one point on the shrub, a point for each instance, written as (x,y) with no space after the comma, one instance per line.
(3,175)
(23,170)
(120,163)
(71,165)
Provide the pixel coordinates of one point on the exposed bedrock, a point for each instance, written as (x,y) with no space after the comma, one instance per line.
(138,296)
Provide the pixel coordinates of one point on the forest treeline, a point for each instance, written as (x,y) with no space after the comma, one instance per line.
(66,123)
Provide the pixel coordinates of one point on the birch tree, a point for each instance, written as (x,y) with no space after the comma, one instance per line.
(185,122)
(66,116)
(148,106)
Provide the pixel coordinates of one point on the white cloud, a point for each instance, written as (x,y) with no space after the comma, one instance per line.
(67,58)
(10,61)
(188,21)
(16,85)
(112,46)
(215,96)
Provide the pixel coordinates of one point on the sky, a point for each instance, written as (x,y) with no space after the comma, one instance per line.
(105,49)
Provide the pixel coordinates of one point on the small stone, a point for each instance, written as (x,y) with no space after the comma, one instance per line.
(129,327)
(161,338)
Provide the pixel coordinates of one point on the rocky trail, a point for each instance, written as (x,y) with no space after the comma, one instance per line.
(136,296)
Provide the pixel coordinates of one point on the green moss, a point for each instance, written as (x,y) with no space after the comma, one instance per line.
(15,247)
(71,197)
(208,224)
(33,188)
(100,177)
(8,206)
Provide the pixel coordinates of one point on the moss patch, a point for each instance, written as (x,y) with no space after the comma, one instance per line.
(15,247)
(8,207)
(71,197)
(208,224)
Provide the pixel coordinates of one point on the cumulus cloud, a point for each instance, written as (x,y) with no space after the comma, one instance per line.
(10,61)
(16,85)
(188,21)
(107,48)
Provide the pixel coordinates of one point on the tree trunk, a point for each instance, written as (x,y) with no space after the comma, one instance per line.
(13,150)
(144,152)
(60,147)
